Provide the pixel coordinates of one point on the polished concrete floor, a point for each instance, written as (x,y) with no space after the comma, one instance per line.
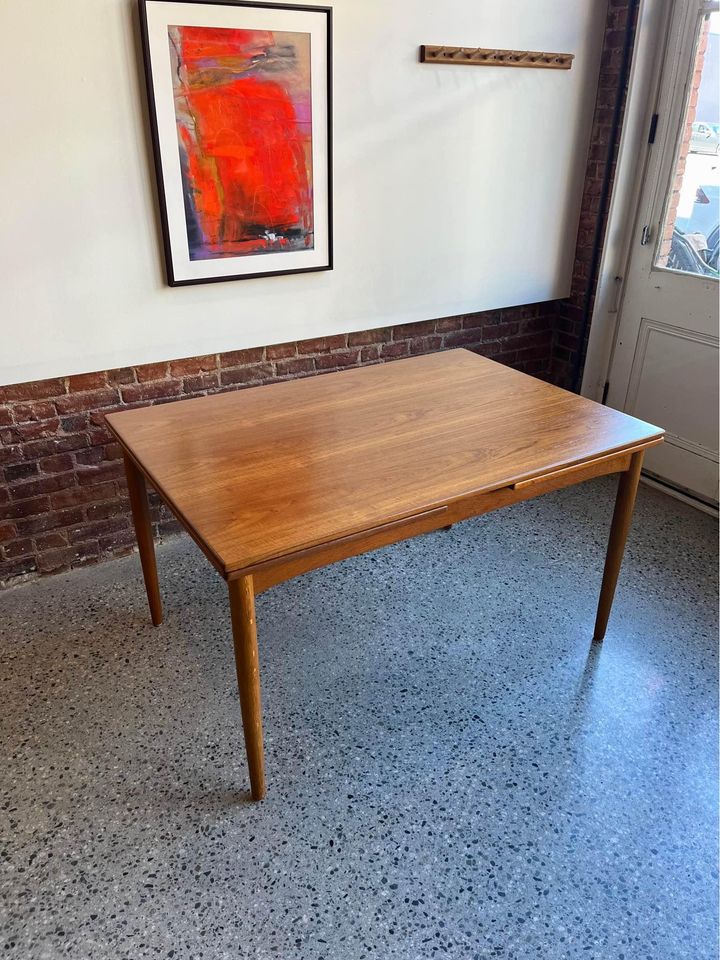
(454,771)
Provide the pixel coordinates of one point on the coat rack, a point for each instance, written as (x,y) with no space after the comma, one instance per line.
(481,57)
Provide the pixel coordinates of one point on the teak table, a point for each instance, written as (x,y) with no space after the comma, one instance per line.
(274,481)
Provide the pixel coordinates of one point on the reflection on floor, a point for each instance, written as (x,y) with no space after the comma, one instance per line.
(453,770)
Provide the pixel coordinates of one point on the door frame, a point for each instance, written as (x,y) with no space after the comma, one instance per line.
(656,31)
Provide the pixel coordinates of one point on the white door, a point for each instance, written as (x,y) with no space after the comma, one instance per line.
(665,363)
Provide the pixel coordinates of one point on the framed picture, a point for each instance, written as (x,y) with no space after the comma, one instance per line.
(240,114)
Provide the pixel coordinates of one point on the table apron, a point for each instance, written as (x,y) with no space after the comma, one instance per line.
(271,572)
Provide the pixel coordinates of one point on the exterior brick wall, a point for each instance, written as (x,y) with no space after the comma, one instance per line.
(569,338)
(63,498)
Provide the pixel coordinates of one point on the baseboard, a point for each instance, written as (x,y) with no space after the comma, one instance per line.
(682,495)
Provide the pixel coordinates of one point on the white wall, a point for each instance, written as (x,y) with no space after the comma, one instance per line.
(456,188)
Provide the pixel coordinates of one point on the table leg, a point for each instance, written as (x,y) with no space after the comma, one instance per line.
(242,612)
(624,503)
(143,532)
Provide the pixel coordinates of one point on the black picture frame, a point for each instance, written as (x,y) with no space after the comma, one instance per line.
(171,274)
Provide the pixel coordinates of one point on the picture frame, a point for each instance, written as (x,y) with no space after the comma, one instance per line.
(240,107)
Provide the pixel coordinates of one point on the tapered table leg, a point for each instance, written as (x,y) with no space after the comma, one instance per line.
(624,503)
(242,611)
(143,532)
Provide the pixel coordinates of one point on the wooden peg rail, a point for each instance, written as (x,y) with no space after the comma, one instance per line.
(480,57)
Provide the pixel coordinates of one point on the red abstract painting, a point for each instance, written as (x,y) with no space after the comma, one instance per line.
(244,124)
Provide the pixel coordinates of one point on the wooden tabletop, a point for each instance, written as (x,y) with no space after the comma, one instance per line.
(260,473)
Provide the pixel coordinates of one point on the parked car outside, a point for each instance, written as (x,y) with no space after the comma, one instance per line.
(704,139)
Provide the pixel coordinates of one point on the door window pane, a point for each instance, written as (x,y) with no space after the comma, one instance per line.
(691,230)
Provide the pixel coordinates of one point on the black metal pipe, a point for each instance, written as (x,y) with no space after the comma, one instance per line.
(605,190)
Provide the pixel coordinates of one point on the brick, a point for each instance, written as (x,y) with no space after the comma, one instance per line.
(88,476)
(239,358)
(294,366)
(40,410)
(151,391)
(404,331)
(476,321)
(391,350)
(90,457)
(532,353)
(99,437)
(73,496)
(101,511)
(151,371)
(74,424)
(568,341)
(425,344)
(50,561)
(345,358)
(192,365)
(322,344)
(17,510)
(532,340)
(78,402)
(56,464)
(370,353)
(112,451)
(47,541)
(120,376)
(118,540)
(48,521)
(20,471)
(87,381)
(203,381)
(96,528)
(462,338)
(535,324)
(17,568)
(35,390)
(536,368)
(18,548)
(250,374)
(501,331)
(505,356)
(45,484)
(97,418)
(36,430)
(362,337)
(281,351)
(6,417)
(448,323)
(492,349)
(87,550)
(8,531)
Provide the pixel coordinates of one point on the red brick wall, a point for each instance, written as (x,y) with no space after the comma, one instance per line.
(569,337)
(63,499)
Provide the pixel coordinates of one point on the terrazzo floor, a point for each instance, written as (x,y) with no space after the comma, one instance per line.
(453,770)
